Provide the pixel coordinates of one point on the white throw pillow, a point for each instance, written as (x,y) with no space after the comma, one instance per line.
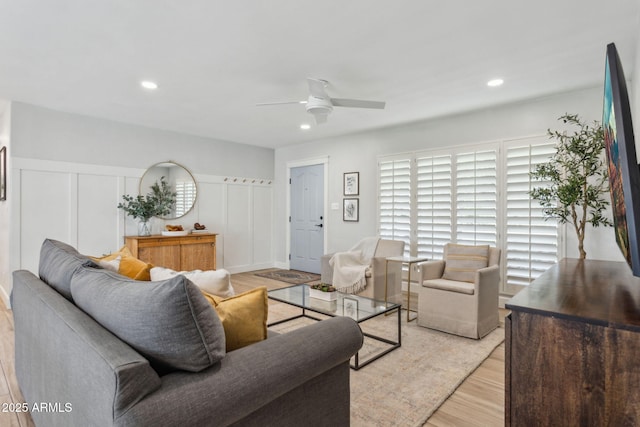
(112,265)
(216,282)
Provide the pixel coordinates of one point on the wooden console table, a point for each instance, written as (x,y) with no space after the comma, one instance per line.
(180,253)
(572,347)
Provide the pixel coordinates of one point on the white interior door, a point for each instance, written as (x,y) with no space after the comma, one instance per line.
(307,222)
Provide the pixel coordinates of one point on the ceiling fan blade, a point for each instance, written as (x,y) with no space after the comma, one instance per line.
(357,103)
(261,104)
(316,87)
(320,118)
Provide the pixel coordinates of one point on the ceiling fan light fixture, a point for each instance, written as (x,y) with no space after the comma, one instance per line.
(317,105)
(495,82)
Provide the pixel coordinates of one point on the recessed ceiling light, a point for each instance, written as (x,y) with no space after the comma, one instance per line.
(305,126)
(147,84)
(495,82)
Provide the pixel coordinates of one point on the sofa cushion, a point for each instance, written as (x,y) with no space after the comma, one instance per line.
(462,261)
(168,322)
(58,263)
(129,265)
(450,286)
(243,316)
(216,282)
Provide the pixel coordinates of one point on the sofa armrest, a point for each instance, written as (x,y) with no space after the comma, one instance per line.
(62,355)
(326,271)
(487,280)
(431,270)
(249,378)
(391,272)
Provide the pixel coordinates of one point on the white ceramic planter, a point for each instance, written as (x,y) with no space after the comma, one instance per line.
(326,296)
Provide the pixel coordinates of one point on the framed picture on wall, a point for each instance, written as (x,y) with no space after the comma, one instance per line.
(352,183)
(3,173)
(350,210)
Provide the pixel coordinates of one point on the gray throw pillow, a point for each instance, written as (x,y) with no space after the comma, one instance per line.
(58,262)
(169,322)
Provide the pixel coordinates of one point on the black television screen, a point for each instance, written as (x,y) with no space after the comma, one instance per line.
(624,174)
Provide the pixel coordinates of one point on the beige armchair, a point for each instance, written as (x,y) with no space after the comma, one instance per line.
(375,274)
(459,294)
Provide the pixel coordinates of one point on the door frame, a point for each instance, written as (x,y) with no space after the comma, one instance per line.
(324,161)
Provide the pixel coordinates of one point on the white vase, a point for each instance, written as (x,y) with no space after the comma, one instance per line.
(144,228)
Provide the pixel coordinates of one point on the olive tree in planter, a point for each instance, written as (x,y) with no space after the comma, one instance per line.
(576,177)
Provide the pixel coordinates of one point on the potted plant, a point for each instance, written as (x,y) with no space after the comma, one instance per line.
(160,201)
(577,179)
(323,291)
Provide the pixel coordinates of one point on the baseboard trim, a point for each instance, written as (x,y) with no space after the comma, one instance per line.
(281,265)
(502,300)
(245,268)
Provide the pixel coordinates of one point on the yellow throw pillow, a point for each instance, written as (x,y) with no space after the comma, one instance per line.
(130,266)
(134,268)
(122,252)
(243,316)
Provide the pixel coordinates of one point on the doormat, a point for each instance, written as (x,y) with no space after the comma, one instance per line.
(294,277)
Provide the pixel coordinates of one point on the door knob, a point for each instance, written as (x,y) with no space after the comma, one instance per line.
(319,225)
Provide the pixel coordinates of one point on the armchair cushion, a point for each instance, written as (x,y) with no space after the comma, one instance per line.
(450,285)
(462,262)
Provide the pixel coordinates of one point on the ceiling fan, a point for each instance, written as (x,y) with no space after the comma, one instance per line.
(320,105)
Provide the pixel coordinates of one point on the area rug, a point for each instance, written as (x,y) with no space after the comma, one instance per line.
(406,386)
(290,276)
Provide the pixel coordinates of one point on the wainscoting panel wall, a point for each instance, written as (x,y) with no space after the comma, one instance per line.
(77,204)
(97,195)
(262,220)
(239,226)
(212,213)
(46,211)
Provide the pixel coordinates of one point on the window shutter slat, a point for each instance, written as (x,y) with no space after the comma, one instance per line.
(531,242)
(433,195)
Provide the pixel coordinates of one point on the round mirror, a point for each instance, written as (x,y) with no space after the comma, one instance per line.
(170,179)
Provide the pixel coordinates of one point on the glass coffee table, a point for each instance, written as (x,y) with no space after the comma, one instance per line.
(357,307)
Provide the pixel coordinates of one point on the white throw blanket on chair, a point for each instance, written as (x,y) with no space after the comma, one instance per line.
(349,268)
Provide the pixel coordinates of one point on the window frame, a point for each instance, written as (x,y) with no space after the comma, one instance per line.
(501,148)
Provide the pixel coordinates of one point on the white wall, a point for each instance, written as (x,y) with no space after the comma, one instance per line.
(41,133)
(359,152)
(5,247)
(69,172)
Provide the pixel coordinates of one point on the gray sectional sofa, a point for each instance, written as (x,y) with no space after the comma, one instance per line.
(142,371)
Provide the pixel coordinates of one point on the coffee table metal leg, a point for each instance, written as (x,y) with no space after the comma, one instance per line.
(394,344)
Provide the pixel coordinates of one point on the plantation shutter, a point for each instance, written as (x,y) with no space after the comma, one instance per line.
(395,200)
(186,194)
(531,242)
(476,198)
(434,206)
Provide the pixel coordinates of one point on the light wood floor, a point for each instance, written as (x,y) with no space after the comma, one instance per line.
(479,401)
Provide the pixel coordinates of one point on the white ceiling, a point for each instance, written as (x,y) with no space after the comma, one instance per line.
(214,60)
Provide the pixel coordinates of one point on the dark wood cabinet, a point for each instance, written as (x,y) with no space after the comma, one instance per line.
(572,353)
